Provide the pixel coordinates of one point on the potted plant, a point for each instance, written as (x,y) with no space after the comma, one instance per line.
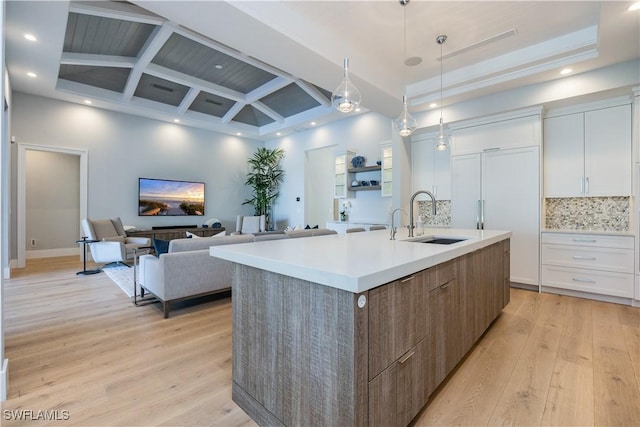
(264,177)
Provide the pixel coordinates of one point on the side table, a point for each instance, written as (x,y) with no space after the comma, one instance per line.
(85,241)
(142,300)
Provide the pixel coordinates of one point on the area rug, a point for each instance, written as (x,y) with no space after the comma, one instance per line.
(123,277)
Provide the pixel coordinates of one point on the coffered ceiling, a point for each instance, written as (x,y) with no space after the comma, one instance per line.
(260,68)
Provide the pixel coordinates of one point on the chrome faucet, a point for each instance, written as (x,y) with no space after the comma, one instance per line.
(433,207)
(393,227)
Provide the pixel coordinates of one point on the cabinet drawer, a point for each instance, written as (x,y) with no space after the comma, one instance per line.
(401,390)
(599,282)
(609,259)
(398,319)
(595,240)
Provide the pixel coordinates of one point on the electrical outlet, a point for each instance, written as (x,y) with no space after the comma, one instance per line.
(33,243)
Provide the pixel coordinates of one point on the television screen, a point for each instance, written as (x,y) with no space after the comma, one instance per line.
(169,197)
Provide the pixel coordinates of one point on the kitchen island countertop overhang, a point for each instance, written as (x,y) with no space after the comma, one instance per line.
(356,262)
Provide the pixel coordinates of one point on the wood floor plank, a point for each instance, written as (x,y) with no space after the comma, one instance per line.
(78,344)
(617,395)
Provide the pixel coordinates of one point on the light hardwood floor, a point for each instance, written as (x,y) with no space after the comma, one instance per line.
(77,344)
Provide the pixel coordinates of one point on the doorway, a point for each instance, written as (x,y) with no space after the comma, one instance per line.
(23,211)
(319,175)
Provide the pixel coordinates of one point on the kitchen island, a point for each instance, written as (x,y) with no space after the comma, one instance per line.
(357,329)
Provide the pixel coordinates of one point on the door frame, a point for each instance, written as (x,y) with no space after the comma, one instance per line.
(21,196)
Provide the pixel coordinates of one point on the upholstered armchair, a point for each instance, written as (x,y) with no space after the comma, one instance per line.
(250,224)
(113,247)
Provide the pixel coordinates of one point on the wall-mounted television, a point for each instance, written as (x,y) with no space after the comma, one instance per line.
(165,197)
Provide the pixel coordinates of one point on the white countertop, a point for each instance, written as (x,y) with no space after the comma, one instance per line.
(355,262)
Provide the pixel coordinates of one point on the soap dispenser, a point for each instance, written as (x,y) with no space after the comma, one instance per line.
(419,226)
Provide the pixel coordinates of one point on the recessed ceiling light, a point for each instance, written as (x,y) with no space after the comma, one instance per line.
(357,110)
(32,74)
(239,133)
(88,102)
(218,67)
(313,123)
(634,6)
(566,71)
(30,37)
(433,105)
(413,61)
(176,120)
(278,133)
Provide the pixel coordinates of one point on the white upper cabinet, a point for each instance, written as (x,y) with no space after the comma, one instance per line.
(431,168)
(588,153)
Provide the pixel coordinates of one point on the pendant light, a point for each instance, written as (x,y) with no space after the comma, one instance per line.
(346,97)
(405,124)
(443,140)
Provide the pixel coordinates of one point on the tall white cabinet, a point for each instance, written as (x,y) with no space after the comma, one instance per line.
(588,153)
(430,168)
(498,187)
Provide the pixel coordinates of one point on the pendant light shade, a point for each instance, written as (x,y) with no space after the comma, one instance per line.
(443,139)
(405,124)
(346,97)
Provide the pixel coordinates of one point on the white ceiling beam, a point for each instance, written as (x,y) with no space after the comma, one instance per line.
(314,92)
(114,10)
(268,111)
(191,81)
(94,60)
(188,100)
(232,112)
(268,88)
(152,46)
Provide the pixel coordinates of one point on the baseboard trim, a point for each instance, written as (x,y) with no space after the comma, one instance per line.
(51,253)
(587,295)
(6,272)
(4,386)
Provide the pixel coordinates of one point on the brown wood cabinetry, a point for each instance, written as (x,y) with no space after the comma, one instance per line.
(398,320)
(308,354)
(400,391)
(446,328)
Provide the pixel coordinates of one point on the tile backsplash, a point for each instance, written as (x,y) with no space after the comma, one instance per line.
(588,213)
(443,214)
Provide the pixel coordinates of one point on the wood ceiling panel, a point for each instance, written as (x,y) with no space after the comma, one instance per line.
(210,104)
(109,78)
(289,100)
(160,90)
(105,36)
(187,56)
(252,116)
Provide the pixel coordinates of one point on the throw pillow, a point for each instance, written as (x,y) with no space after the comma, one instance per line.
(220,234)
(160,246)
(190,235)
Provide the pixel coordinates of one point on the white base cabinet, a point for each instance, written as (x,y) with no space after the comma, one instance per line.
(590,263)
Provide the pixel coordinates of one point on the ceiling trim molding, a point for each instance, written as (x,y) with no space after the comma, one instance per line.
(313,92)
(188,99)
(114,11)
(267,88)
(268,111)
(95,60)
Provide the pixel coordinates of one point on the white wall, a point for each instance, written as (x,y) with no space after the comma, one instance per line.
(122,148)
(362,134)
(52,202)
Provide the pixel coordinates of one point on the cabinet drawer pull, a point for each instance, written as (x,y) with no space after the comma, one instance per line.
(585,240)
(577,279)
(406,357)
(486,150)
(406,279)
(445,286)
(587,258)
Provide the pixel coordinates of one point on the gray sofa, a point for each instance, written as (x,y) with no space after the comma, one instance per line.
(188,271)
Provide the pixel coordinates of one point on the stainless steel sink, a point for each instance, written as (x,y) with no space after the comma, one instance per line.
(438,240)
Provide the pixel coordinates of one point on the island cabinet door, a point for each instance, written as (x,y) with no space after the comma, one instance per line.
(400,391)
(398,319)
(446,328)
